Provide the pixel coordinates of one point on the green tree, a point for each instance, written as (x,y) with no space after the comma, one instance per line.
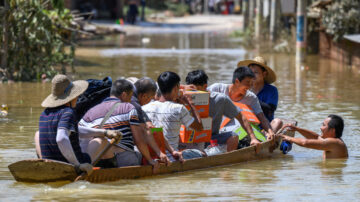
(342,17)
(38,32)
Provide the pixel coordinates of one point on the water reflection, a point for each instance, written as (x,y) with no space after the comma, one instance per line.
(332,170)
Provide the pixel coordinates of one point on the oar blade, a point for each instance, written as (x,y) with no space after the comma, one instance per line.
(42,170)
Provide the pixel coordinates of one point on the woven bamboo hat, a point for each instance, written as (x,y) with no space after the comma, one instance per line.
(270,77)
(63,91)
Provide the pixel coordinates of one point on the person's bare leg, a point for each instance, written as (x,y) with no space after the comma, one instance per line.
(232,143)
(95,146)
(276,124)
(37,144)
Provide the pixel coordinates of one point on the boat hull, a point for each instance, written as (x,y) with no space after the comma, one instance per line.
(43,170)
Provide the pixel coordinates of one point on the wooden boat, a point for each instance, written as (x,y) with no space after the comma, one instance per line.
(42,170)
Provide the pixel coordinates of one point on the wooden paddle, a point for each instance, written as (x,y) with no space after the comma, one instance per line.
(98,157)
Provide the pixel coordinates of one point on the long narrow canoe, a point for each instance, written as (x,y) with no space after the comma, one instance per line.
(43,170)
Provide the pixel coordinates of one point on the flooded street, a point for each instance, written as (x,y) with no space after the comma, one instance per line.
(307,94)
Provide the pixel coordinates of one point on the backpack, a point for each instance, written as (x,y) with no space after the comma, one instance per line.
(97,91)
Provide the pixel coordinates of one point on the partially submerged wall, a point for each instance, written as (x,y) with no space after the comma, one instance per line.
(344,51)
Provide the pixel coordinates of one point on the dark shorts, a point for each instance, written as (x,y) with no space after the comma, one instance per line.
(222,137)
(85,158)
(191,154)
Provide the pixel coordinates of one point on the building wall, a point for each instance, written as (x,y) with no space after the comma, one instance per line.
(344,51)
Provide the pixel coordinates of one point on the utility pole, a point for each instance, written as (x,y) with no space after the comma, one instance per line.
(245,12)
(301,31)
(258,20)
(273,20)
(5,39)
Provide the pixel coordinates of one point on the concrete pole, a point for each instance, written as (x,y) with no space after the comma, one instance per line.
(245,12)
(5,39)
(301,31)
(258,20)
(273,20)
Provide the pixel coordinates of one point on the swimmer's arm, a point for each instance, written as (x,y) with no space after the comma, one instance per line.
(308,134)
(319,144)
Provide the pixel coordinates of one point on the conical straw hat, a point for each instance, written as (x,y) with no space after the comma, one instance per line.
(271,76)
(63,91)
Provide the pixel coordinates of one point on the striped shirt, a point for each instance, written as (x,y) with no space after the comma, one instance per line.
(52,119)
(122,117)
(169,116)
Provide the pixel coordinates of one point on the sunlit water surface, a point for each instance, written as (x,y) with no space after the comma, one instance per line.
(307,94)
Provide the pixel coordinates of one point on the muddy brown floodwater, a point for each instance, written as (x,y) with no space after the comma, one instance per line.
(307,94)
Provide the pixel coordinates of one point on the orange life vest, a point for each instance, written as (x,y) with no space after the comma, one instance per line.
(246,111)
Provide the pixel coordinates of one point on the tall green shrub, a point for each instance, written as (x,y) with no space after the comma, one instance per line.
(37,36)
(342,17)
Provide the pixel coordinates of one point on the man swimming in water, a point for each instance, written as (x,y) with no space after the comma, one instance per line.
(329,141)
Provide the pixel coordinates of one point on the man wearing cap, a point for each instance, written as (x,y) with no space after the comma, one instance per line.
(58,137)
(266,93)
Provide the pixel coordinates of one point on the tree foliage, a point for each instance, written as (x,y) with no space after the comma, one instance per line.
(38,32)
(342,17)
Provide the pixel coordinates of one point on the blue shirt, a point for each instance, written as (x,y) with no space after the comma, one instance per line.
(51,119)
(269,95)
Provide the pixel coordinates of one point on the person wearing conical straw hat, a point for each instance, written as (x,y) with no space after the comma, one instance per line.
(58,131)
(266,93)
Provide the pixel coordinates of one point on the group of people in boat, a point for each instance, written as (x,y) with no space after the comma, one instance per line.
(136,106)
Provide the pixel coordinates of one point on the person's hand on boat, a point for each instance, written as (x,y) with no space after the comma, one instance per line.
(164,159)
(85,167)
(178,155)
(155,165)
(255,142)
(113,134)
(270,135)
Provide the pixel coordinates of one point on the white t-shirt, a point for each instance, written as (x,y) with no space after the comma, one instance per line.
(169,116)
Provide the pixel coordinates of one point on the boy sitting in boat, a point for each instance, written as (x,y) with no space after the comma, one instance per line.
(144,91)
(220,105)
(239,91)
(329,141)
(57,138)
(124,119)
(169,115)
